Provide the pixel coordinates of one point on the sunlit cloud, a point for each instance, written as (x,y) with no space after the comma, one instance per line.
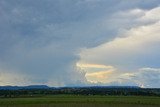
(98,77)
(81,65)
(12,78)
(96,73)
(131,50)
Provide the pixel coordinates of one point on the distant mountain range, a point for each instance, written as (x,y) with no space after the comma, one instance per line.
(24,87)
(47,87)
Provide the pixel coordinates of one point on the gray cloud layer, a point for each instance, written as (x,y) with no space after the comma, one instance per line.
(40,40)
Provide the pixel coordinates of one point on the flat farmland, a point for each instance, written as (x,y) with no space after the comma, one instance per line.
(81,101)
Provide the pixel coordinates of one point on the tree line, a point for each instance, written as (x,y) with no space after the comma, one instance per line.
(80,91)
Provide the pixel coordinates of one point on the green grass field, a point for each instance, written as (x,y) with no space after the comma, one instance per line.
(81,101)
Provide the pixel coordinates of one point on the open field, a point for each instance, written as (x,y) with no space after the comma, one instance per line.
(81,101)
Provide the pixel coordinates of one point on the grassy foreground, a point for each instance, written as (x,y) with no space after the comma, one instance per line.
(81,101)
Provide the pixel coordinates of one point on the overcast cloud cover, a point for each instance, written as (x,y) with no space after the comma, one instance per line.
(80,42)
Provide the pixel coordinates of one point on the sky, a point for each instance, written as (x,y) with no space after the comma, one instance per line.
(80,43)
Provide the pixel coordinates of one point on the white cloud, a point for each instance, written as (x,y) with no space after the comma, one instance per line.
(132,49)
(123,48)
(148,77)
(151,16)
(144,77)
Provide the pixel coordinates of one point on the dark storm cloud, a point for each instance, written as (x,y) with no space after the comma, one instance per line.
(42,39)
